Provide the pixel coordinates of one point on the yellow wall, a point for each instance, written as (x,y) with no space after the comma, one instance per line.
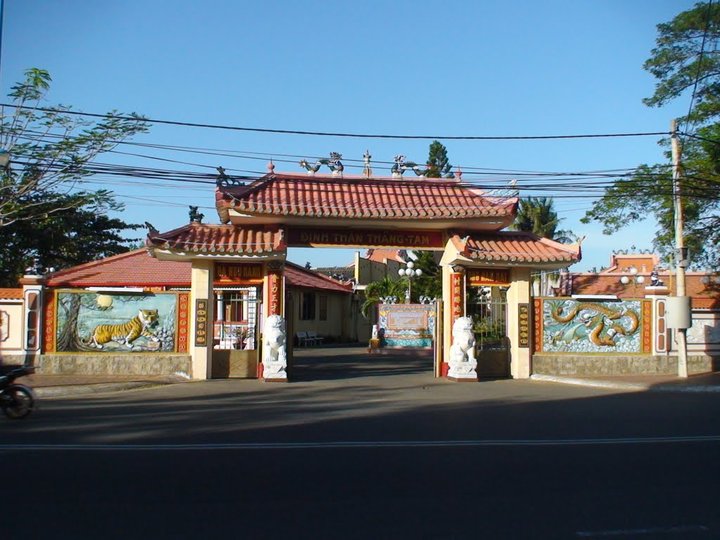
(339,317)
(202,288)
(519,292)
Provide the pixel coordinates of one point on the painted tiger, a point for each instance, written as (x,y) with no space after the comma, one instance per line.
(125,333)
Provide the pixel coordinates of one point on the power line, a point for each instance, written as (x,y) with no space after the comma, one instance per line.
(244,154)
(349,135)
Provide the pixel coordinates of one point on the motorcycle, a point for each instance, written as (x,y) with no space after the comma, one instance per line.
(16,400)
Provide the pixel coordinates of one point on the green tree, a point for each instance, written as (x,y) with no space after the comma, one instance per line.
(40,193)
(60,239)
(685,55)
(437,164)
(384,287)
(430,282)
(684,62)
(538,216)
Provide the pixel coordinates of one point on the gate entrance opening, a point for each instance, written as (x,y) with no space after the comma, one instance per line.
(487,306)
(260,220)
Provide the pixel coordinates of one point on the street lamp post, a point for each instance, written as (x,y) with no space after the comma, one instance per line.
(409,272)
(637,280)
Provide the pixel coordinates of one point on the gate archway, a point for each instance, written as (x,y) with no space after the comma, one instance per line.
(261,219)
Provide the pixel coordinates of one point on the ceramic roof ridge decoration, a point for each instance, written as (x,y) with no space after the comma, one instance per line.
(297,195)
(333,163)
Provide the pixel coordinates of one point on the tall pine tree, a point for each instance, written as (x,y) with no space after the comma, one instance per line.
(438,165)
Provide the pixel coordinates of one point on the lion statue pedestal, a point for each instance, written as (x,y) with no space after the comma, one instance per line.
(274,352)
(462,362)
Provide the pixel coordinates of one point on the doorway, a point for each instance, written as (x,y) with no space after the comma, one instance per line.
(235,333)
(487,306)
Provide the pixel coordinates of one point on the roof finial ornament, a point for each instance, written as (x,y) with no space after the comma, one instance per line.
(508,192)
(367,171)
(271,167)
(401,166)
(224,180)
(334,164)
(458,173)
(152,231)
(311,169)
(195,215)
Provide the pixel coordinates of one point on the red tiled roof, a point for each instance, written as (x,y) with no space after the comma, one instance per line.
(383,255)
(703,295)
(11,294)
(138,269)
(515,247)
(360,198)
(297,276)
(222,239)
(132,269)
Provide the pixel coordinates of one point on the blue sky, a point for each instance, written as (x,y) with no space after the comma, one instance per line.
(489,68)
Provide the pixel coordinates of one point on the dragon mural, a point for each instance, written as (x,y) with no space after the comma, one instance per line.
(573,326)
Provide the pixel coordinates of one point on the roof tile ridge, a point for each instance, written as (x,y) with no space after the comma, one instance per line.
(570,248)
(313,273)
(261,183)
(99,262)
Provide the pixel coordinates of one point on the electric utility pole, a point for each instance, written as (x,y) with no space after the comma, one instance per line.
(681,252)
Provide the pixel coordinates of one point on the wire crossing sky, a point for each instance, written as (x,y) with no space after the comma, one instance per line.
(549,94)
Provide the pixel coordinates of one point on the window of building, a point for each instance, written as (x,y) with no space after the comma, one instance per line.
(307,307)
(322,307)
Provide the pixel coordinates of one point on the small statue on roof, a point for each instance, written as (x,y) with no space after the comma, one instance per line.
(333,163)
(195,215)
(655,280)
(222,178)
(400,166)
(225,180)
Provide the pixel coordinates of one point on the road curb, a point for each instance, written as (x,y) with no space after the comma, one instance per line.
(627,386)
(72,390)
(617,385)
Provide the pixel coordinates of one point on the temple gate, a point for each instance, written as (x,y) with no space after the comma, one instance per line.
(260,220)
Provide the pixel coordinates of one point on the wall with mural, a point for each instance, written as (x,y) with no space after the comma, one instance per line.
(406,325)
(566,325)
(704,335)
(103,322)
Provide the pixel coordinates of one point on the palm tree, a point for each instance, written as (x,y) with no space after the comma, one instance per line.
(382,288)
(537,215)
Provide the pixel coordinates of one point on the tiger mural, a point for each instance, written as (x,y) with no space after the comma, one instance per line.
(125,333)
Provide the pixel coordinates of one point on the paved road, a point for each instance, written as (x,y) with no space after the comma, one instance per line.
(366,448)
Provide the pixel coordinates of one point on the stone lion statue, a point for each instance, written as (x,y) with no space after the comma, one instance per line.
(462,360)
(274,352)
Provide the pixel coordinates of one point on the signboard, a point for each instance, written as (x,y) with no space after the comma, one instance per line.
(274,283)
(406,325)
(238,273)
(365,238)
(485,277)
(407,320)
(457,295)
(524,326)
(201,323)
